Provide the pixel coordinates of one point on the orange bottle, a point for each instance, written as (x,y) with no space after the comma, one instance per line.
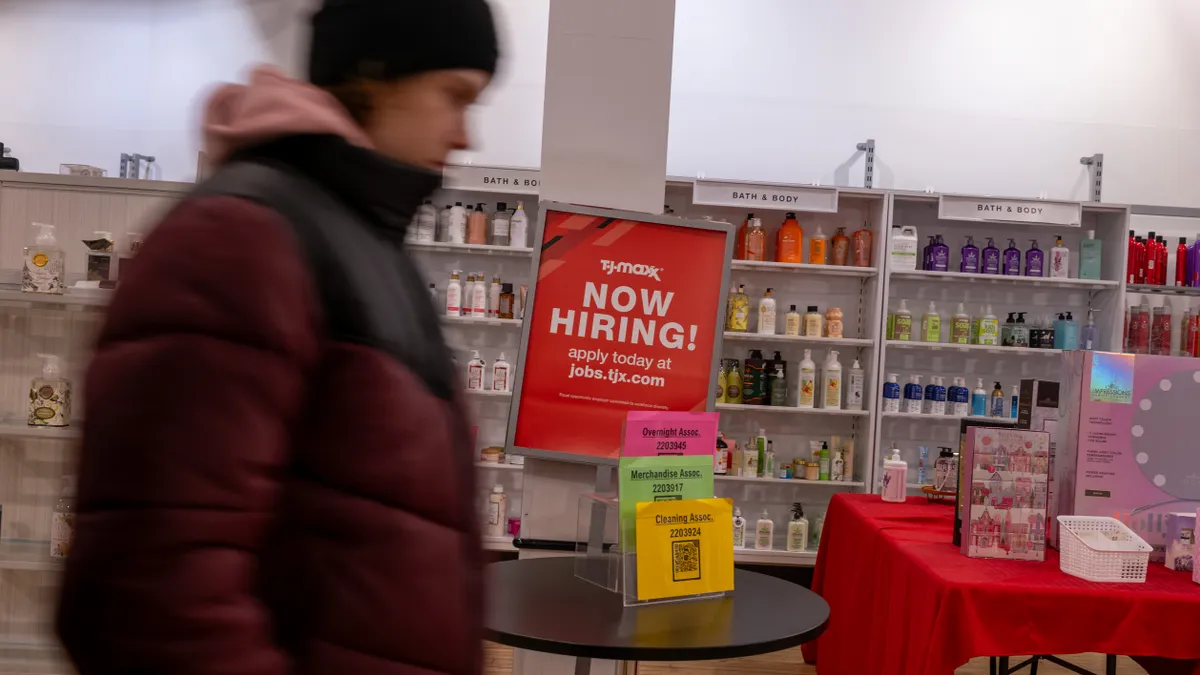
(862,246)
(816,248)
(739,244)
(789,241)
(841,248)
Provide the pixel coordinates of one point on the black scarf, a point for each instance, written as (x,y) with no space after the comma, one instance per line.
(384,192)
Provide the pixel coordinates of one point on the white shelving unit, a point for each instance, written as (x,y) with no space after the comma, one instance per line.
(855,290)
(1036,296)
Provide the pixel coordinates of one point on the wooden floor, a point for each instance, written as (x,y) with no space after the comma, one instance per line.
(498,661)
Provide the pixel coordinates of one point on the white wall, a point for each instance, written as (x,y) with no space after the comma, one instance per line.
(979,96)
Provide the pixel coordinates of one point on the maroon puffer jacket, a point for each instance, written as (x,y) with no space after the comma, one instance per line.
(276,475)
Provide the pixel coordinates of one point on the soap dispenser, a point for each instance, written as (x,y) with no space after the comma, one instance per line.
(895,475)
(1089,337)
(44,263)
(797,532)
(50,395)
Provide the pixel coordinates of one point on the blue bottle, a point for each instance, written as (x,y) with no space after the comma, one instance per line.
(1068,334)
(930,395)
(891,395)
(912,395)
(998,402)
(979,405)
(1015,398)
(938,405)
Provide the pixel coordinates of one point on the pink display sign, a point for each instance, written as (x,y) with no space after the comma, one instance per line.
(650,434)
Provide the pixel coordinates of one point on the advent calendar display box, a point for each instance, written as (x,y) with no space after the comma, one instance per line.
(1126,444)
(1008,471)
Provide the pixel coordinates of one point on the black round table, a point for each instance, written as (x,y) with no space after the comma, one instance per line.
(540,605)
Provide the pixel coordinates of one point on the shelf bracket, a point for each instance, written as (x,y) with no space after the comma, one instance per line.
(869,169)
(1095,165)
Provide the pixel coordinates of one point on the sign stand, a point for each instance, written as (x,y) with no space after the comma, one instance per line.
(666,538)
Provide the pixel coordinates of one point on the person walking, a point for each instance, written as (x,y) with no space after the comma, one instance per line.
(277,472)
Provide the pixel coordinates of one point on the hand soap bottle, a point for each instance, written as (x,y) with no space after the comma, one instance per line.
(44,263)
(766,314)
(979,405)
(895,475)
(970,258)
(739,529)
(891,395)
(931,325)
(50,396)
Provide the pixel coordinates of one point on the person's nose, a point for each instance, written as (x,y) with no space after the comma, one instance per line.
(460,138)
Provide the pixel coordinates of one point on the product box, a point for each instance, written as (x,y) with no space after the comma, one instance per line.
(1196,552)
(1038,410)
(1126,447)
(1006,498)
(960,497)
(1181,541)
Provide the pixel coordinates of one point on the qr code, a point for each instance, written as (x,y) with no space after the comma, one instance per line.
(685,556)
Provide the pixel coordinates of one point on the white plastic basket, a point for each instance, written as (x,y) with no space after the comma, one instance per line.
(1101,549)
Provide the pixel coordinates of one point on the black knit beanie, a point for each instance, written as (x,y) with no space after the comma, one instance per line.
(389,39)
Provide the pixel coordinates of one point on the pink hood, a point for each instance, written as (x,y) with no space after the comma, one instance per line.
(272,105)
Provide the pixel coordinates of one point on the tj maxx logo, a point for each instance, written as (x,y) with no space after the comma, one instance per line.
(630,268)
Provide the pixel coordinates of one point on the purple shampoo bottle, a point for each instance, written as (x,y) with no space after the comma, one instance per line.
(991,258)
(970,258)
(927,254)
(1012,259)
(1034,259)
(939,255)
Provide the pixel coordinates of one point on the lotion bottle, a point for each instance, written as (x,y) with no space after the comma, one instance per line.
(970,258)
(454,295)
(808,381)
(1035,261)
(1012,259)
(891,395)
(854,388)
(501,371)
(501,228)
(518,228)
(477,226)
(493,310)
(497,514)
(766,314)
(797,533)
(739,528)
(991,258)
(456,233)
(50,395)
(831,397)
(912,395)
(1060,260)
(475,372)
(960,326)
(1089,256)
(961,405)
(816,248)
(479,298)
(979,404)
(45,263)
(425,225)
(997,402)
(895,477)
(764,532)
(789,241)
(792,323)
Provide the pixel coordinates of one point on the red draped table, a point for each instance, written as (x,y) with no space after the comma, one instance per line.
(904,600)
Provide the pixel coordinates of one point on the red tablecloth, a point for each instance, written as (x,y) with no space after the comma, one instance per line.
(904,600)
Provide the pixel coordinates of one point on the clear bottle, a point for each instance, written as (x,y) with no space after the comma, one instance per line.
(737,317)
(855,385)
(766,314)
(454,295)
(45,263)
(792,323)
(1089,337)
(475,368)
(764,532)
(501,374)
(808,381)
(739,529)
(456,231)
(779,387)
(756,241)
(518,228)
(497,513)
(443,225)
(500,225)
(812,322)
(62,524)
(797,533)
(50,395)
